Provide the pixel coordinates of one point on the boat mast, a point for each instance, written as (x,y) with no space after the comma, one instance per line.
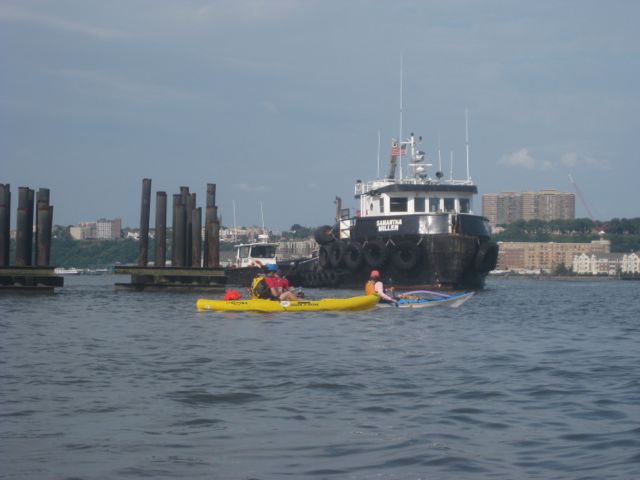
(262,215)
(439,157)
(378,154)
(235,228)
(400,136)
(466,123)
(451,167)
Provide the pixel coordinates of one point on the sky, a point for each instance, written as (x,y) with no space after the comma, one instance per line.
(280,103)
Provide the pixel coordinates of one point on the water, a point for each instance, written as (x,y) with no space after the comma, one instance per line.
(529,380)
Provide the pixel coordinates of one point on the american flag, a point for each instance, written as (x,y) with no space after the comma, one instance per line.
(396,150)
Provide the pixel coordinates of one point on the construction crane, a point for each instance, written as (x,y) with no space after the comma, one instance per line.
(600,228)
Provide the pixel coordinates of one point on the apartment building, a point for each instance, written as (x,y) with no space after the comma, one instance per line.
(546,256)
(507,207)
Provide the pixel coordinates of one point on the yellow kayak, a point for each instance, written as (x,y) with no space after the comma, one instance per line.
(364,302)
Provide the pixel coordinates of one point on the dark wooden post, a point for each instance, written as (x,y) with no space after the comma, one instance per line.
(5,223)
(179,222)
(145,209)
(210,217)
(24,227)
(196,237)
(161,229)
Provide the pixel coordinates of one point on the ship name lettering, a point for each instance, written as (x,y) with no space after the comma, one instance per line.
(389,225)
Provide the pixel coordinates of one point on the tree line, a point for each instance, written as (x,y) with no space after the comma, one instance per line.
(623,233)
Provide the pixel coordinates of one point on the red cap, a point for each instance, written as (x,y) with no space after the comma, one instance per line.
(375,273)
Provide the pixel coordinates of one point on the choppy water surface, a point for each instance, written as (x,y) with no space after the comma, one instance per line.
(529,379)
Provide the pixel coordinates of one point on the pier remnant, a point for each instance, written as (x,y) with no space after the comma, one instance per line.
(24,227)
(187,271)
(31,271)
(5,224)
(161,229)
(145,210)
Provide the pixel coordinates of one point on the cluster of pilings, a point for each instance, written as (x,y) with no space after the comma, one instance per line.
(194,264)
(33,246)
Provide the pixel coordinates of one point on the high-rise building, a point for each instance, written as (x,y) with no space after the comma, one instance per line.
(507,207)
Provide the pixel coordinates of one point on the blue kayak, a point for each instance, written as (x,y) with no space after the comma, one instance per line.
(418,299)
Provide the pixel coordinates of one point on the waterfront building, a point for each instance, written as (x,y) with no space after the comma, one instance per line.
(545,256)
(631,263)
(546,205)
(598,264)
(101,229)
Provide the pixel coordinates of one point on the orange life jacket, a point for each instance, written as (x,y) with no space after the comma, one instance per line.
(370,288)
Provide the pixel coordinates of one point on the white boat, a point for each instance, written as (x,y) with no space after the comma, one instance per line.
(418,299)
(255,254)
(66,271)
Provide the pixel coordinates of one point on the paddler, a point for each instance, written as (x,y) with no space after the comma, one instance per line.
(374,286)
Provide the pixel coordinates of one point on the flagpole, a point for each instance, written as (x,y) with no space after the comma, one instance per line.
(400,136)
(378,154)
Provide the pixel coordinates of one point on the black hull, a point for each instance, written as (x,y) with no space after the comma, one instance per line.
(440,261)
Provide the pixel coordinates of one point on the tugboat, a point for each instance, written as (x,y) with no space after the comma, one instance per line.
(250,260)
(418,231)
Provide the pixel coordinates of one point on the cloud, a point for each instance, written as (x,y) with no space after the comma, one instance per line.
(142,92)
(574,160)
(521,158)
(18,15)
(245,187)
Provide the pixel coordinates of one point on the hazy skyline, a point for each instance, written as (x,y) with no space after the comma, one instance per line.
(281,101)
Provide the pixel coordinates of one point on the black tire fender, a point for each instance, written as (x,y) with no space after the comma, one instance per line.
(336,253)
(353,256)
(323,256)
(375,253)
(324,235)
(486,257)
(406,255)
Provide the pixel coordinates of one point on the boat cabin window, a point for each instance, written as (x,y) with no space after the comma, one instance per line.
(434,204)
(419,204)
(449,204)
(243,252)
(381,205)
(465,205)
(263,251)
(398,204)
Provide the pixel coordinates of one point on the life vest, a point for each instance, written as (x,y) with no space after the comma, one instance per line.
(259,288)
(231,295)
(370,288)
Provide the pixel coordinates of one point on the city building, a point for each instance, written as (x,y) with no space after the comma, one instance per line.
(507,207)
(546,256)
(606,264)
(102,229)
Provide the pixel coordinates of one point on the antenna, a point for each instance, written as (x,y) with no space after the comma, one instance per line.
(451,167)
(235,228)
(400,136)
(439,157)
(262,215)
(378,154)
(466,124)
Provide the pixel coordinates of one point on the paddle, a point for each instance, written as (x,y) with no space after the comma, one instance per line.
(437,294)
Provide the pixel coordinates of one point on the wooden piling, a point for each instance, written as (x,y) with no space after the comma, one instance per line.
(5,223)
(145,209)
(196,237)
(161,229)
(24,228)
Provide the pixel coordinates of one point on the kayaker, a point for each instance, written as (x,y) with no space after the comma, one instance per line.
(278,287)
(374,286)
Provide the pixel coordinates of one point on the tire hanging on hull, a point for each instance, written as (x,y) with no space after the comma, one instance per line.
(486,257)
(323,256)
(336,253)
(353,256)
(375,253)
(406,255)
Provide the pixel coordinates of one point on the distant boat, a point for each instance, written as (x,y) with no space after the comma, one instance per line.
(66,271)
